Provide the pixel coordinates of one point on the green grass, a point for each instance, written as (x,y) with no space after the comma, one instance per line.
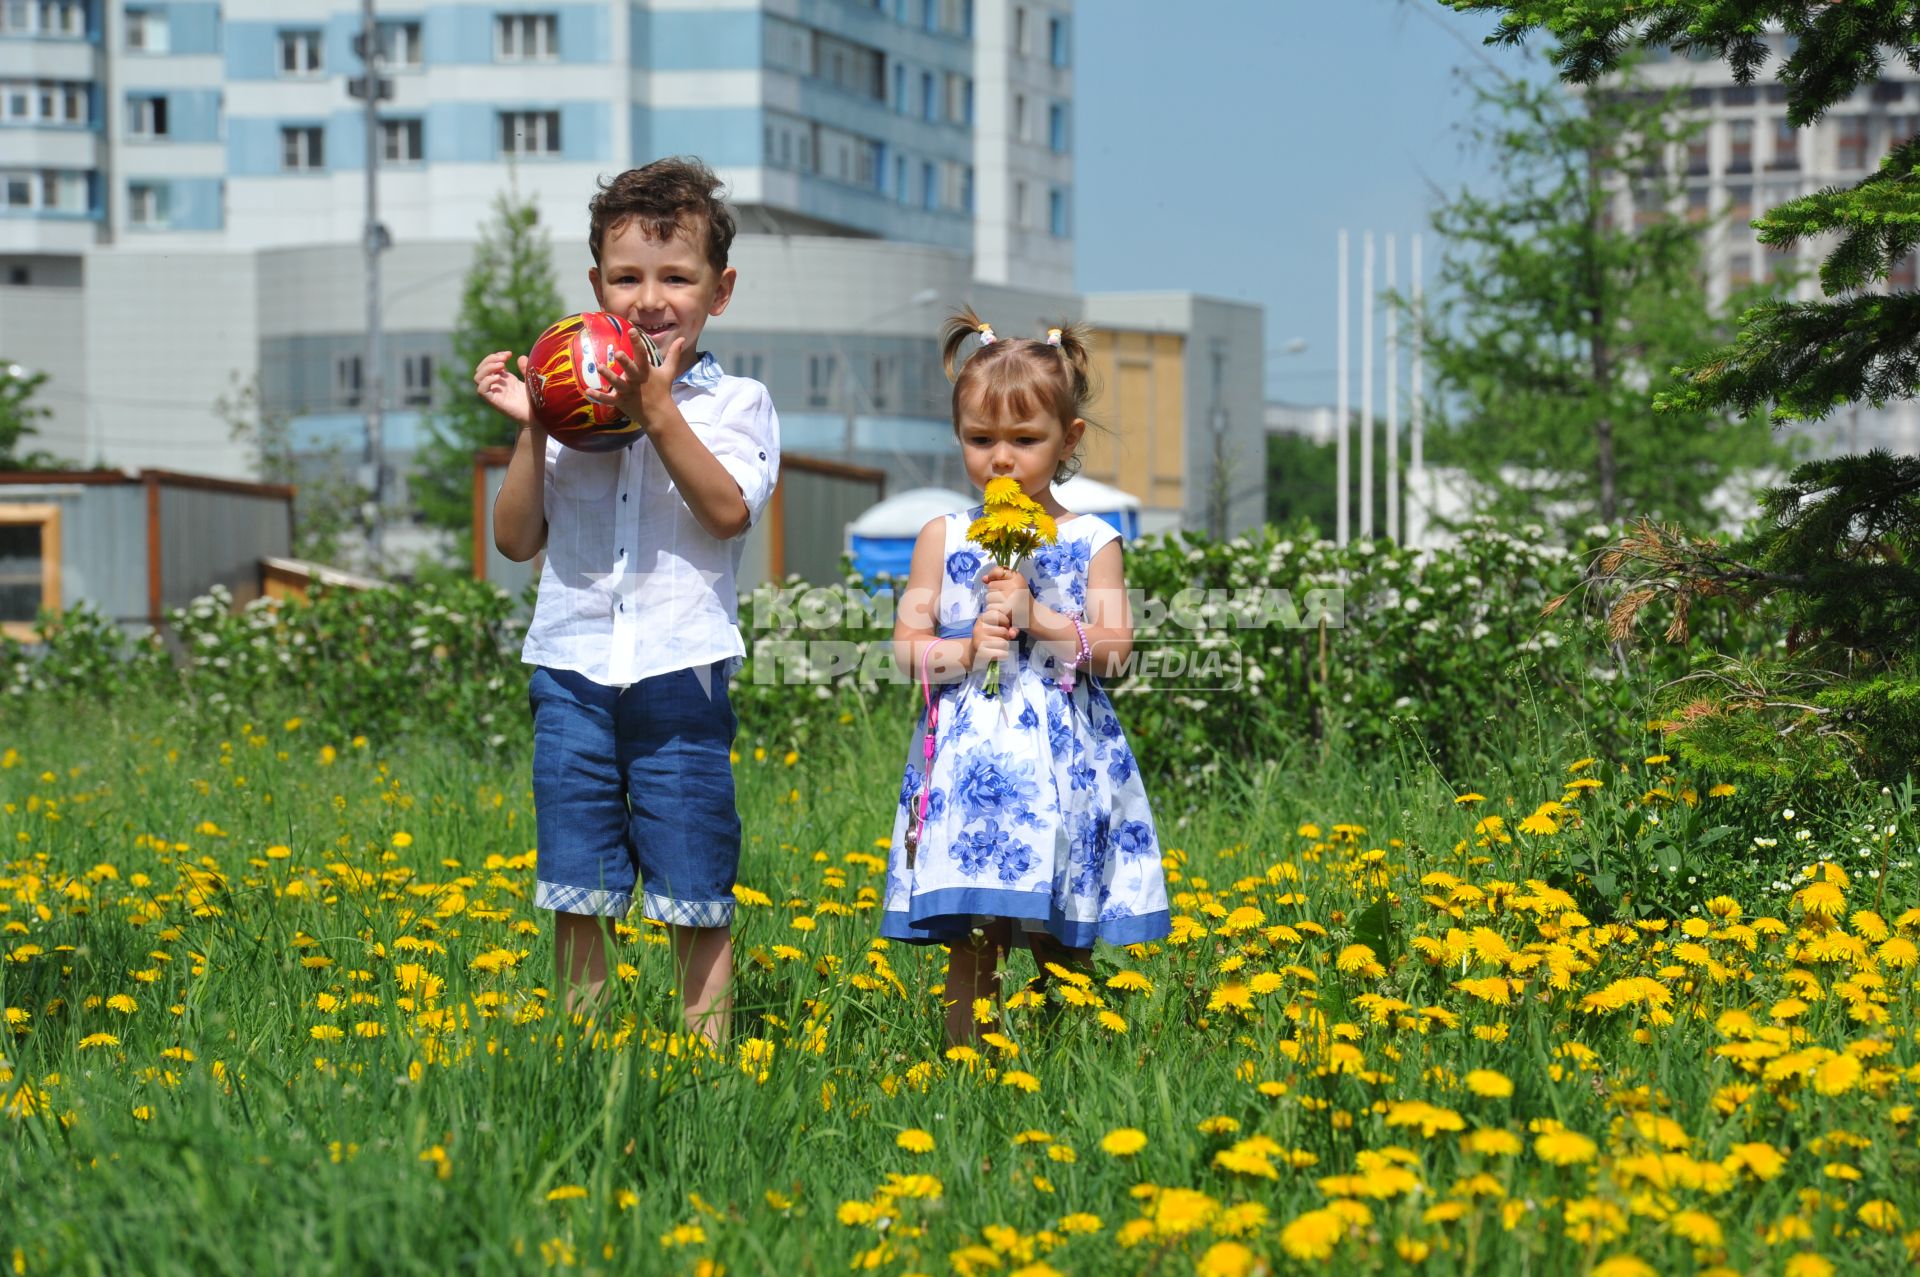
(140,862)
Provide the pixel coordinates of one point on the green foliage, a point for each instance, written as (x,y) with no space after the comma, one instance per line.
(1302,483)
(327,498)
(509,299)
(1556,315)
(18,412)
(1835,551)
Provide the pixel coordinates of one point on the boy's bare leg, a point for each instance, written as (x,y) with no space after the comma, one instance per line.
(704,956)
(580,960)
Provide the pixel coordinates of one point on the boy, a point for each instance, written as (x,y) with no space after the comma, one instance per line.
(634,634)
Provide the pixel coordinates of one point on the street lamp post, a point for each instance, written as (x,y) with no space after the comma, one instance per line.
(372,90)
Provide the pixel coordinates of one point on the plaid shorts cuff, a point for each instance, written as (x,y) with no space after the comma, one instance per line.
(687,913)
(593,902)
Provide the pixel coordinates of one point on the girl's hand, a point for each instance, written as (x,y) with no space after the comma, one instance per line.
(506,393)
(992,639)
(642,393)
(1010,592)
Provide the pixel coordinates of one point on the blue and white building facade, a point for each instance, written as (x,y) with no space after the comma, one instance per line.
(182,196)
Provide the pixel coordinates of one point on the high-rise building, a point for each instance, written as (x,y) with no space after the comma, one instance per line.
(182,187)
(1748,158)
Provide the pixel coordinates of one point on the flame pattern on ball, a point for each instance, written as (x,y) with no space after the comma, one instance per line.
(570,358)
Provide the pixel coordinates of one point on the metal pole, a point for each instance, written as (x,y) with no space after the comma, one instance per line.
(1392,463)
(1417,457)
(1366,385)
(1342,406)
(373,380)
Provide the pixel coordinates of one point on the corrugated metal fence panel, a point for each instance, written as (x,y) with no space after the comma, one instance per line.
(103,544)
(816,509)
(502,571)
(212,538)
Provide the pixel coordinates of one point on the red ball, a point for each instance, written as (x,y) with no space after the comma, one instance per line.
(572,357)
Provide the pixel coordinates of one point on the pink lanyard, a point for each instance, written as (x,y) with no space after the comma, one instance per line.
(926,749)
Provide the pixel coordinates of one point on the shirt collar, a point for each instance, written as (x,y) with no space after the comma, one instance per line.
(705,373)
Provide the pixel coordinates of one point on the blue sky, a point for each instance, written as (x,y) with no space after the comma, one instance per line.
(1222,156)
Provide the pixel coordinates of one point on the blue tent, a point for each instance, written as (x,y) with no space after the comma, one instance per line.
(881,539)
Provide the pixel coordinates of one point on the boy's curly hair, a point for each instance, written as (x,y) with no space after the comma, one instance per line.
(665,197)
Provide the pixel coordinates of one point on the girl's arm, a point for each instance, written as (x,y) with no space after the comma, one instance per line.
(916,621)
(1108,620)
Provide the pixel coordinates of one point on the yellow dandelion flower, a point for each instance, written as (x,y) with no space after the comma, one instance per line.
(1488,1083)
(98,1039)
(1020,1079)
(1808,1264)
(1123,1141)
(1079,1223)
(1564,1148)
(1225,1259)
(567,1193)
(915,1140)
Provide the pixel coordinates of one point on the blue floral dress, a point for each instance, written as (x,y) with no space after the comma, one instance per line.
(1036,810)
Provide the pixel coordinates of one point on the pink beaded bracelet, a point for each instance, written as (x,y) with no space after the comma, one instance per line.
(1085,654)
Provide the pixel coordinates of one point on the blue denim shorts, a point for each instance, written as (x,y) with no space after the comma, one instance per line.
(635,785)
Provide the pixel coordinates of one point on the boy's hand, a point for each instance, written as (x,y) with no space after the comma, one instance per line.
(1009,591)
(643,393)
(992,638)
(505,392)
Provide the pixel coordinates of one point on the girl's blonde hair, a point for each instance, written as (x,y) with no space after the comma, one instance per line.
(1019,377)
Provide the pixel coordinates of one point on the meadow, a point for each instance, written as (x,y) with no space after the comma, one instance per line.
(277,1001)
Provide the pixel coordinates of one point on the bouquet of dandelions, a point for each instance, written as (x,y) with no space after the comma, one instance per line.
(1011,526)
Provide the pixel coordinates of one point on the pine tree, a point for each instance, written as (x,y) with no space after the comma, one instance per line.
(1837,551)
(1557,314)
(508,300)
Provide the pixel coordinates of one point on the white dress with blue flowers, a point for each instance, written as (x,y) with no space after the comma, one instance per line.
(1036,811)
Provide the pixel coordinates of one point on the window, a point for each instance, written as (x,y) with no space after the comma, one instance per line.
(1740,268)
(1781,262)
(1057,41)
(1649,205)
(538,133)
(147,31)
(147,116)
(346,380)
(880,389)
(29,566)
(300,53)
(1057,128)
(1738,95)
(400,44)
(416,379)
(899,88)
(1889,91)
(400,141)
(966,188)
(900,178)
(1740,202)
(1697,155)
(1852,151)
(746,363)
(1020,32)
(19,190)
(1740,146)
(44,102)
(1698,200)
(302,149)
(929,186)
(930,15)
(1786,148)
(146,204)
(1057,212)
(929,108)
(527,37)
(1020,203)
(1019,117)
(1901,275)
(820,378)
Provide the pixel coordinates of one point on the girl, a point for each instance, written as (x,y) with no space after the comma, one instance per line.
(1022,818)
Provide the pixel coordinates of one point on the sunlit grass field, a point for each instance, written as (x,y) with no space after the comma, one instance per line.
(280,1004)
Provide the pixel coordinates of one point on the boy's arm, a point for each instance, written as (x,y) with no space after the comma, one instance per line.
(719,499)
(520,508)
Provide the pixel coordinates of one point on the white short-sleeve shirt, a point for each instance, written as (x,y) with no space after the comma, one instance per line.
(633,586)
